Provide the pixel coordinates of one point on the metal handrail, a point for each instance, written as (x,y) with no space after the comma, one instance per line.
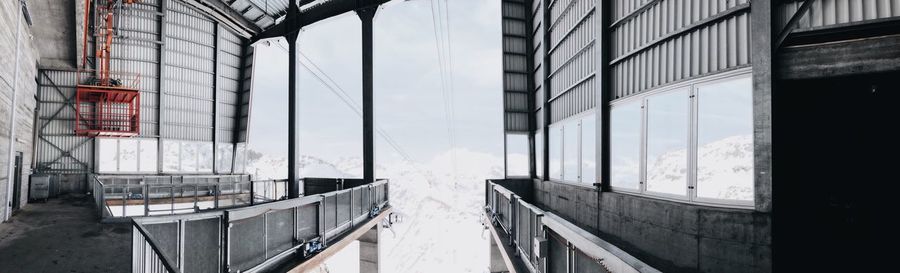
(229,218)
(154,246)
(546,222)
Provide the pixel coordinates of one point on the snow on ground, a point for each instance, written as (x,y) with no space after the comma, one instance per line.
(440,204)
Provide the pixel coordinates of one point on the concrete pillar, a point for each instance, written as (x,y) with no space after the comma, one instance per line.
(369,254)
(496,264)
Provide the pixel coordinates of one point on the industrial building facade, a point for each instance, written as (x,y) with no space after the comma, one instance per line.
(651,129)
(145,106)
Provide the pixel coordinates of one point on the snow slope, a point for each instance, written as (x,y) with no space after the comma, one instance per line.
(441,231)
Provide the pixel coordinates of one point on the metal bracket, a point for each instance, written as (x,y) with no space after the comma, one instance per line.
(792,23)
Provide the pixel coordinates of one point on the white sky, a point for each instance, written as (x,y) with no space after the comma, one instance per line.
(408,98)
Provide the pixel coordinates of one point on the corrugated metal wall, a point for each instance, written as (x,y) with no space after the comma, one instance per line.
(515,65)
(190,81)
(537,57)
(190,77)
(661,42)
(573,29)
(229,84)
(835,13)
(245,96)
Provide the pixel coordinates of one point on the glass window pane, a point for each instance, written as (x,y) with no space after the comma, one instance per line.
(205,157)
(148,155)
(588,149)
(128,155)
(667,134)
(516,155)
(224,155)
(189,156)
(539,153)
(107,159)
(171,156)
(625,145)
(555,153)
(240,158)
(725,140)
(570,152)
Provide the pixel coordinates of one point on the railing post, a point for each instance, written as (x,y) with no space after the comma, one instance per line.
(252,193)
(146,192)
(321,217)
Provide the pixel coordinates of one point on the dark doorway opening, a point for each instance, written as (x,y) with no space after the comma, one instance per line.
(17,182)
(834,176)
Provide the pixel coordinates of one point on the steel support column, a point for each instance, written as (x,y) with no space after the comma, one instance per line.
(604,96)
(366,15)
(293,179)
(545,46)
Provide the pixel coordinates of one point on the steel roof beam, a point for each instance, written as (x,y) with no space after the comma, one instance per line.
(313,14)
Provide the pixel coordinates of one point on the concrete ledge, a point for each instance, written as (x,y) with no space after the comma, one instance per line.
(508,252)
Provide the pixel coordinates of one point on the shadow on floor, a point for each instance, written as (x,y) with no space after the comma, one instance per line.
(63,235)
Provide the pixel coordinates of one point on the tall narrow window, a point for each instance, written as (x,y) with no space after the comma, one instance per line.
(224,156)
(148,155)
(555,153)
(667,142)
(205,158)
(240,158)
(107,155)
(539,153)
(189,157)
(516,155)
(625,145)
(171,155)
(588,149)
(725,140)
(128,155)
(570,152)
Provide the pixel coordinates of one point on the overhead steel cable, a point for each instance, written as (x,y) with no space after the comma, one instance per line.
(338,91)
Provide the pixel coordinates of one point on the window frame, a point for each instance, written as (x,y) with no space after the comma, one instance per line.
(691,196)
(506,155)
(560,125)
(118,150)
(196,158)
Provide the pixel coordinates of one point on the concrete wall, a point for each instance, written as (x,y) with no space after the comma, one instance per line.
(669,236)
(54,22)
(10,14)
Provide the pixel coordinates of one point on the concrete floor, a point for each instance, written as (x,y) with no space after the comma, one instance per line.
(63,235)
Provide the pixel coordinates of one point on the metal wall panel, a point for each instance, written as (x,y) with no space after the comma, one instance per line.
(516,70)
(188,84)
(835,13)
(573,27)
(672,40)
(189,81)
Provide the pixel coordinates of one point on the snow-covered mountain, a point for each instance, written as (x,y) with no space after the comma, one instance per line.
(725,169)
(441,231)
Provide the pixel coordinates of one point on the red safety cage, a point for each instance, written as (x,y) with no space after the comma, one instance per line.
(108,111)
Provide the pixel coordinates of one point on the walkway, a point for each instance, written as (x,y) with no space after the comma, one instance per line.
(63,235)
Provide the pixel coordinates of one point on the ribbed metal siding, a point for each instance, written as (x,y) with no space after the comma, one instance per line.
(828,13)
(136,50)
(189,50)
(572,58)
(189,79)
(229,83)
(537,54)
(516,31)
(245,96)
(672,40)
(58,149)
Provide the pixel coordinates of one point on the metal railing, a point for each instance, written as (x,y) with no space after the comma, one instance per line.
(253,238)
(547,243)
(120,197)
